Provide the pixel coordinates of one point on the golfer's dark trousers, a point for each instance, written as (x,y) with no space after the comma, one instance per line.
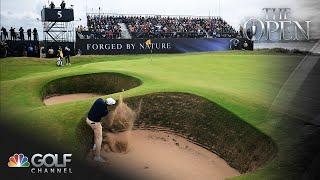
(67,59)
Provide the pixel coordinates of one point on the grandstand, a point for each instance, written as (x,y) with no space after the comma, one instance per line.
(126,34)
(125,26)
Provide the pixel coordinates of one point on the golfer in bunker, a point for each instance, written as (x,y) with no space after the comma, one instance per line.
(98,110)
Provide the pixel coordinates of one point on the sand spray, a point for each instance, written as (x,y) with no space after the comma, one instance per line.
(122,118)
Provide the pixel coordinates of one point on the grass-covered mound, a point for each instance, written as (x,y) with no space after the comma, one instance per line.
(203,122)
(245,83)
(99,83)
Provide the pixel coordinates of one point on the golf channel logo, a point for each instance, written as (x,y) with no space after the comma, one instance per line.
(46,164)
(18,160)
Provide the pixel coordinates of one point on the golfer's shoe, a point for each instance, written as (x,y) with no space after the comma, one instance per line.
(94,147)
(99,159)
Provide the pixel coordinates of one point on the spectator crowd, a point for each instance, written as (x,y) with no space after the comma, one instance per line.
(20,35)
(101,26)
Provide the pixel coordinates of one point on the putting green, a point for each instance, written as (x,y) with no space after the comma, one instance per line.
(243,83)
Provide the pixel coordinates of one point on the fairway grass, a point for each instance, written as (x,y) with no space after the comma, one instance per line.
(243,83)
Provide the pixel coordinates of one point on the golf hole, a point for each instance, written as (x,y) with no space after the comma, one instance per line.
(85,86)
(180,127)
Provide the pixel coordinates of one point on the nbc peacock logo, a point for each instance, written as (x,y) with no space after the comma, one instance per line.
(18,160)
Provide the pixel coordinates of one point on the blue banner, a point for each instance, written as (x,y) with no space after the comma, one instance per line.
(138,46)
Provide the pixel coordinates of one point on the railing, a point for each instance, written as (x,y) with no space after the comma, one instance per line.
(97,35)
(152,15)
(169,35)
(18,37)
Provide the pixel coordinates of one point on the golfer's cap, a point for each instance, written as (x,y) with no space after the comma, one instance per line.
(110,101)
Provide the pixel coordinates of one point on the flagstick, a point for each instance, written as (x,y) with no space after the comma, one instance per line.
(148,43)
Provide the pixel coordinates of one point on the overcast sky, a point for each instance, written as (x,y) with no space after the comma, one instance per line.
(24,13)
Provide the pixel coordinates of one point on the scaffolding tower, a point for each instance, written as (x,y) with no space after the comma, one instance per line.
(58,32)
(58,28)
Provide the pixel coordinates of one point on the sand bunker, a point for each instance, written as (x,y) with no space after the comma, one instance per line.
(68,98)
(209,125)
(160,155)
(156,154)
